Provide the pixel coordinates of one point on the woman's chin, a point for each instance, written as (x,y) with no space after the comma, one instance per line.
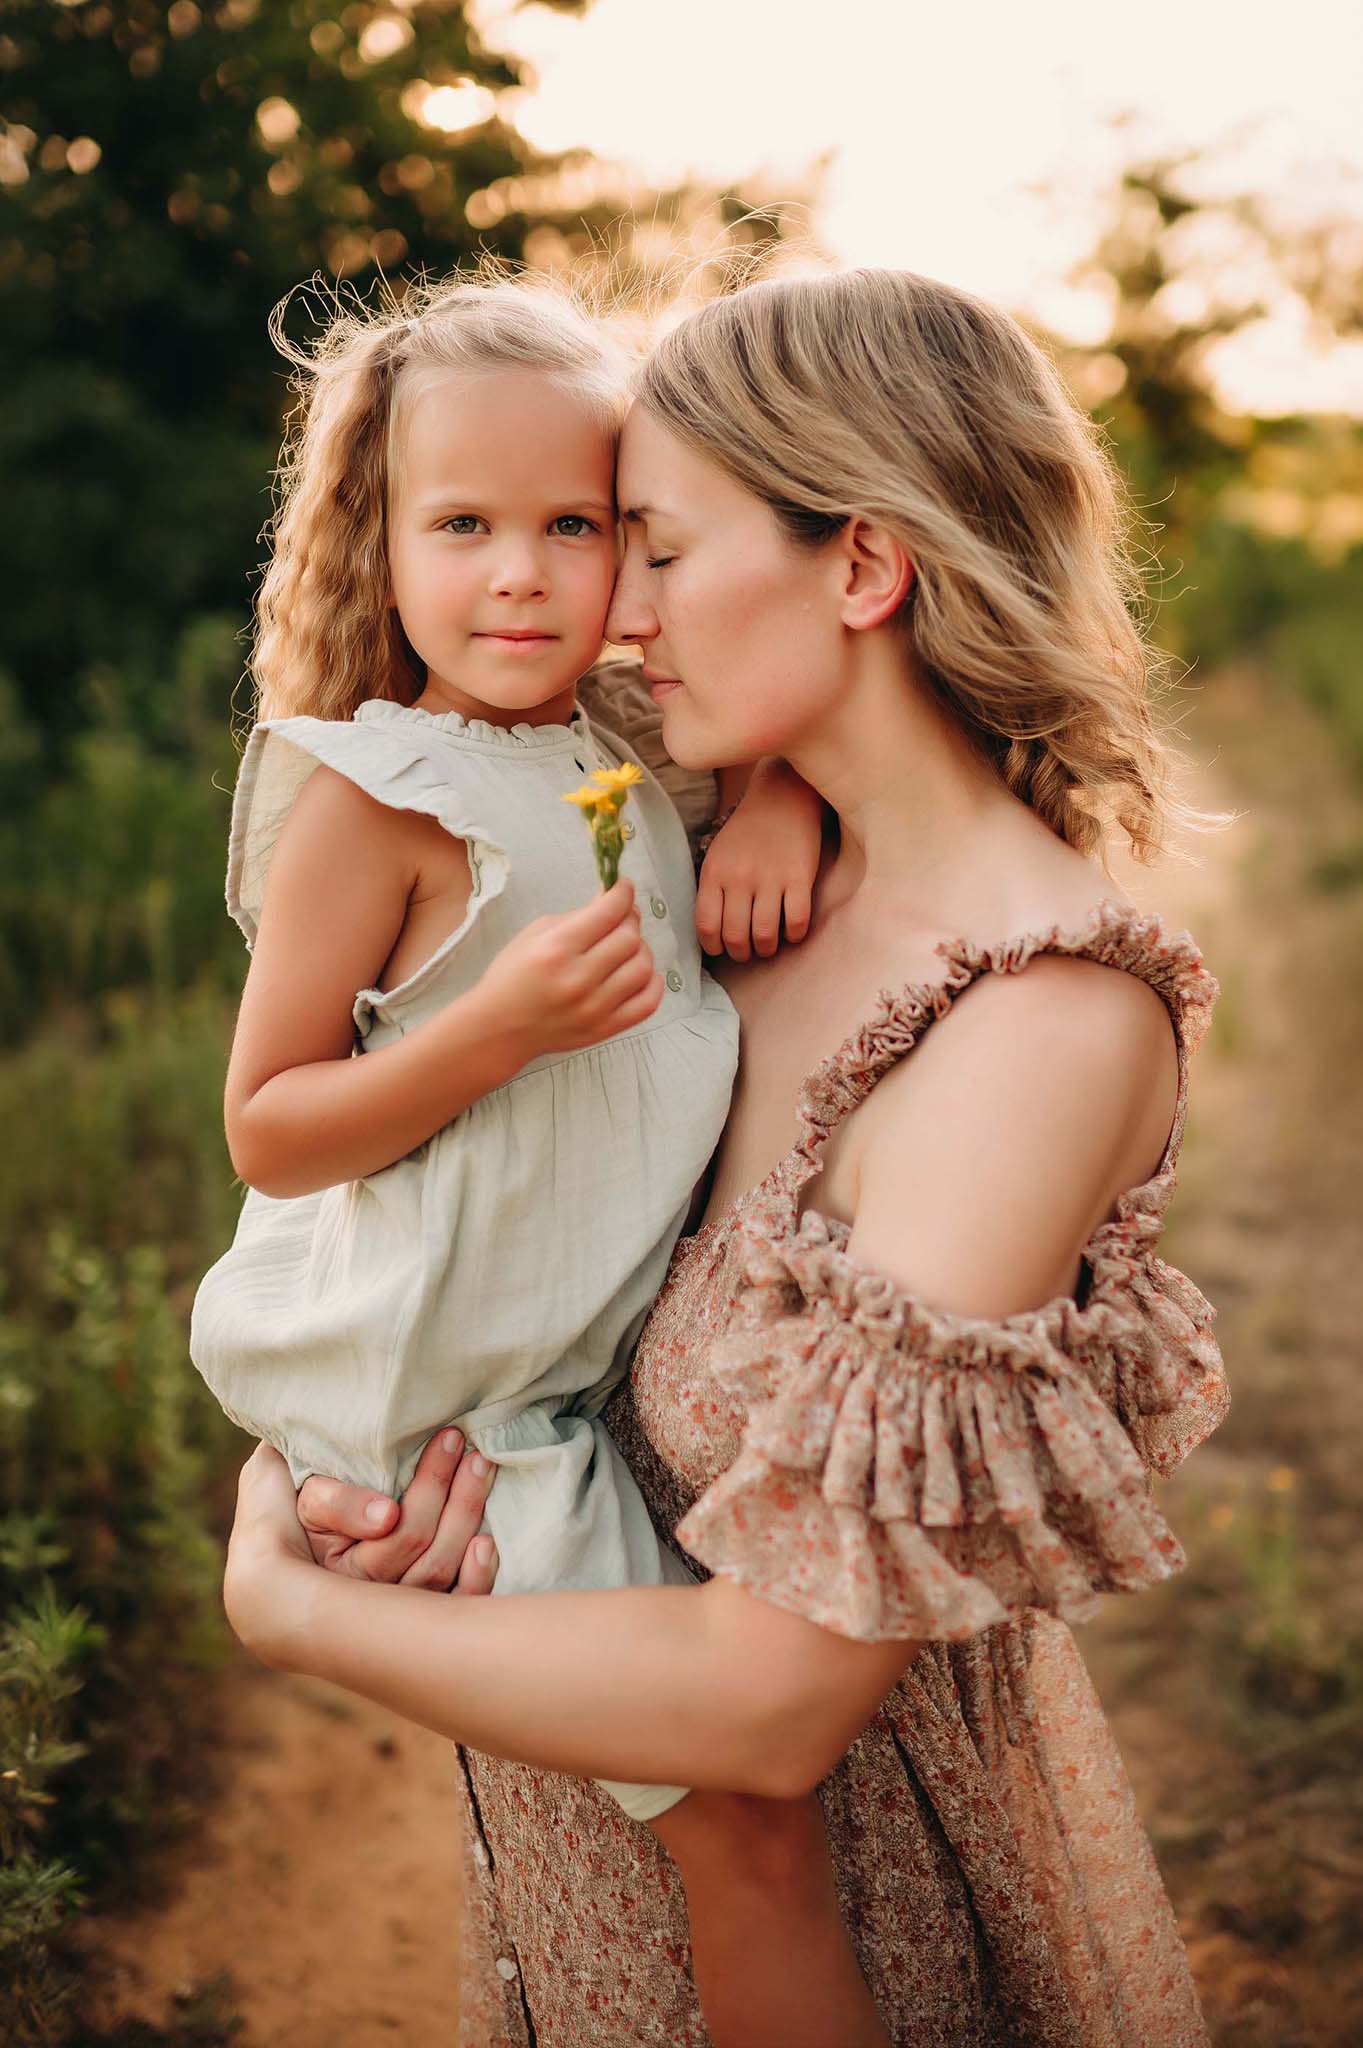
(691,747)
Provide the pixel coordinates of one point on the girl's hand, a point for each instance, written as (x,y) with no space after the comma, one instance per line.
(574,979)
(761,865)
(429,1539)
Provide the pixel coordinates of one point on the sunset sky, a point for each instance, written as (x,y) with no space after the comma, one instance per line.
(938,122)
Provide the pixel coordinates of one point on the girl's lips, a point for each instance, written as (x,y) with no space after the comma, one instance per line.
(526,642)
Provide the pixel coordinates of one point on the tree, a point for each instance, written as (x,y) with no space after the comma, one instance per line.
(167,173)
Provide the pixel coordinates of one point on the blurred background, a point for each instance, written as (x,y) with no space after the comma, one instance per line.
(196,1852)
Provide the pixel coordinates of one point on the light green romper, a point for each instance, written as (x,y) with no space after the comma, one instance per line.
(498,1276)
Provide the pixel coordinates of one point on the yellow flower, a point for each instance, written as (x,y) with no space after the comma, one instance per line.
(601,801)
(618,780)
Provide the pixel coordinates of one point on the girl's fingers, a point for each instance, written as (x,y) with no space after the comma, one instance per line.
(602,914)
(478,1572)
(441,1563)
(766,924)
(628,980)
(635,1008)
(709,915)
(620,944)
(799,903)
(737,923)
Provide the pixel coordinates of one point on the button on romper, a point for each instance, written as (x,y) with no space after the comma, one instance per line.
(498,1276)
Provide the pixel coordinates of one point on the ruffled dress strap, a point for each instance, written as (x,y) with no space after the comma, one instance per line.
(384,751)
(910,1473)
(1116,935)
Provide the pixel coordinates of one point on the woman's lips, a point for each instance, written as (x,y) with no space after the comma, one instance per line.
(660,686)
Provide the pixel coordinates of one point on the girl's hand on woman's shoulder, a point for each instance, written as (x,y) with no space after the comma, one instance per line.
(756,883)
(428,1539)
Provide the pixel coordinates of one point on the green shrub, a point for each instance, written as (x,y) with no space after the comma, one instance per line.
(115,1191)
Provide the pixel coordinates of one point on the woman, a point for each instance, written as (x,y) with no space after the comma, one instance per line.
(904,1385)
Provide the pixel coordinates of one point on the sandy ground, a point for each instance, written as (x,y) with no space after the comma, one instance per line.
(325,1880)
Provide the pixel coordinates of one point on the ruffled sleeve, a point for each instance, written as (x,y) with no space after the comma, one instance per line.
(380,752)
(910,1473)
(615,697)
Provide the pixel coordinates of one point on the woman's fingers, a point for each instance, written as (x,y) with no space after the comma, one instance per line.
(267,1507)
(479,1569)
(336,1515)
(391,1556)
(444,1558)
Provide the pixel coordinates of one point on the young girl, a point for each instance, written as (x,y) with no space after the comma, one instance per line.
(467,1224)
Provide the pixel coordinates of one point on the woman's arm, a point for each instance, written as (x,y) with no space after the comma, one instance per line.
(703,1686)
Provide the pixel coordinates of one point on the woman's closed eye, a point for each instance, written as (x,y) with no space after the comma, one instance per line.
(658,561)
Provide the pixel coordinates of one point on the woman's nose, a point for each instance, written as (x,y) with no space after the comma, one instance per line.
(631,619)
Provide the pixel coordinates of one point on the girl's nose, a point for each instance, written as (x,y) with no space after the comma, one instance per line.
(519,573)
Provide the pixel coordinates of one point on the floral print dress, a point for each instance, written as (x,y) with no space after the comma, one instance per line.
(812,1431)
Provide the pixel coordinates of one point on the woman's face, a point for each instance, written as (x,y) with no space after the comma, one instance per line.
(739,625)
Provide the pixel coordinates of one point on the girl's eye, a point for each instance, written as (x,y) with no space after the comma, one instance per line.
(462,522)
(572,526)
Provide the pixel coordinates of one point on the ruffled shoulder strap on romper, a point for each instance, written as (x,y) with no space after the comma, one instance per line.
(907,1472)
(384,750)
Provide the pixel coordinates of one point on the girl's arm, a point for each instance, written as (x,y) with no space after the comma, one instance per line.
(301,1113)
(981,1174)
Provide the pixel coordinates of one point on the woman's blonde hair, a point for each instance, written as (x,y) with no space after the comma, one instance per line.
(879,393)
(326,637)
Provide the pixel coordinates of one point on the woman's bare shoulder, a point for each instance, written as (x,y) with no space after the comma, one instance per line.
(989,1156)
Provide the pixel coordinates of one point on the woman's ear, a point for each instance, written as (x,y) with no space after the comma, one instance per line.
(877,574)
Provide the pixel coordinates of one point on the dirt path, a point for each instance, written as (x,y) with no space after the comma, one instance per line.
(325,1881)
(325,1878)
(1234,1692)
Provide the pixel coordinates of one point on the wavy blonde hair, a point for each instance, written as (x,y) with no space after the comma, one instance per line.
(880,393)
(326,637)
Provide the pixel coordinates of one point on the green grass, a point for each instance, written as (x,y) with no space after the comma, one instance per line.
(115,1191)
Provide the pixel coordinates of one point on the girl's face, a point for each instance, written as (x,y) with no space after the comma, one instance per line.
(501,541)
(739,625)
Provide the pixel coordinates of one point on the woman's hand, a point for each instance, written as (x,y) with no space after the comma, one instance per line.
(430,1539)
(277,1543)
(268,1559)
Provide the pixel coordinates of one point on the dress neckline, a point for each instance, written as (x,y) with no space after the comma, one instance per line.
(1116,933)
(519,738)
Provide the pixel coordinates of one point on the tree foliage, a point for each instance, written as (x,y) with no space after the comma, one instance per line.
(166,175)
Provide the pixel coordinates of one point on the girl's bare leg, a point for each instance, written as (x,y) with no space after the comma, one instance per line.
(772,1962)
